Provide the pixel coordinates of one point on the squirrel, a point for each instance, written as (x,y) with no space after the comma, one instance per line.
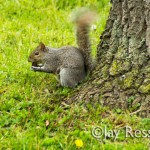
(69,63)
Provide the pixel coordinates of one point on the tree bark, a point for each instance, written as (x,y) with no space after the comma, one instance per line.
(122,76)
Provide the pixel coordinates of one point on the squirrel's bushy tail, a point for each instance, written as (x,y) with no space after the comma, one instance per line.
(83,19)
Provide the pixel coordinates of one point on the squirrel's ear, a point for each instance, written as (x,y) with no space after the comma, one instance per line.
(42,46)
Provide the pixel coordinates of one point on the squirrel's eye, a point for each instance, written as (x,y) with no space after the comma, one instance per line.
(36,53)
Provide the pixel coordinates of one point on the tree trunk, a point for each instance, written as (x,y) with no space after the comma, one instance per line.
(122,76)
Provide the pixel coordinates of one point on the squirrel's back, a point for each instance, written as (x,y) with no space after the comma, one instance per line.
(71,57)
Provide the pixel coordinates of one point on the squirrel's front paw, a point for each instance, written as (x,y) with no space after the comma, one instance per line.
(33,68)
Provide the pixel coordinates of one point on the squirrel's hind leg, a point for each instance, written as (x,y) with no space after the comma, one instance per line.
(70,77)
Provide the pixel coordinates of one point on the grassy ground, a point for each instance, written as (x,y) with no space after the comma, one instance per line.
(31,116)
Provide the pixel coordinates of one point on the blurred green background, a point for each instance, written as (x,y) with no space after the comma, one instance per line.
(31,112)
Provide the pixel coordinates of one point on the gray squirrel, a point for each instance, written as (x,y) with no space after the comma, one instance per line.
(69,63)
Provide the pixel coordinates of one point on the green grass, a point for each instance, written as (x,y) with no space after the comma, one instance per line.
(29,100)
